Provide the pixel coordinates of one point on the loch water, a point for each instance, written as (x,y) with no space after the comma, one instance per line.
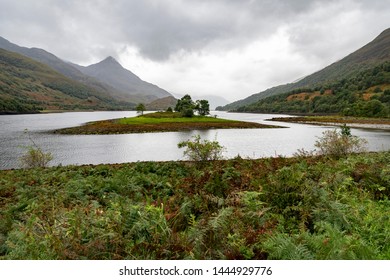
(161,146)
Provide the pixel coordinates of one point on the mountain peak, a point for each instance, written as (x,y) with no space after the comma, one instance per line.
(110,60)
(112,73)
(107,63)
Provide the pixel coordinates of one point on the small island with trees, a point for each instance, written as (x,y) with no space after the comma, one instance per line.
(187,115)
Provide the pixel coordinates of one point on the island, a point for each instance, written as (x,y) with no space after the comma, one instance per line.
(158,122)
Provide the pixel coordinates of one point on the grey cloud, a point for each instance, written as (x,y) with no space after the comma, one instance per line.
(159,29)
(162,28)
(331,32)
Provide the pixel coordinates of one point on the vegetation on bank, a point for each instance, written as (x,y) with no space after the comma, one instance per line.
(364,94)
(274,208)
(158,122)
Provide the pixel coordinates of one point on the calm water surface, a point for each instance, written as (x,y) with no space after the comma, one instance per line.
(94,149)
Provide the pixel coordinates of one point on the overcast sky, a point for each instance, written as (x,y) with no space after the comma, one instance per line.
(230,48)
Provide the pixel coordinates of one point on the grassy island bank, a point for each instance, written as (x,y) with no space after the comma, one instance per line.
(158,122)
(273,208)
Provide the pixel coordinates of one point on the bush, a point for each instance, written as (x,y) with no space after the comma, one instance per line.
(35,157)
(338,144)
(202,150)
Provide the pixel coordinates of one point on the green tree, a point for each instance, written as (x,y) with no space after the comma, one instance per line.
(140,108)
(345,130)
(187,112)
(185,106)
(203,107)
(373,108)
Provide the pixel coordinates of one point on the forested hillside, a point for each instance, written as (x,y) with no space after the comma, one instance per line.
(366,94)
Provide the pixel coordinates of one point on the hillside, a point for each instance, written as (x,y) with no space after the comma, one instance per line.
(127,84)
(57,64)
(107,76)
(29,86)
(373,54)
(366,94)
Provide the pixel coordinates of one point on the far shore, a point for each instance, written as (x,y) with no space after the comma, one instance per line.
(354,122)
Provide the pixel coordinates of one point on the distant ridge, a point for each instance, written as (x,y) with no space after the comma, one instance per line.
(369,56)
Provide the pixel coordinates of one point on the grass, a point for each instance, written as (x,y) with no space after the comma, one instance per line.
(167,117)
(158,122)
(273,208)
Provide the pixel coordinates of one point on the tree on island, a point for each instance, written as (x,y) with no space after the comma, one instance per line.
(140,108)
(186,106)
(203,107)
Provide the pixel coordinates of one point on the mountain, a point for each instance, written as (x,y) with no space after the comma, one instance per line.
(367,57)
(112,73)
(107,76)
(43,57)
(28,86)
(56,63)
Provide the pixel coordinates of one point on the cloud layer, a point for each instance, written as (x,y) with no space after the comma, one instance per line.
(222,47)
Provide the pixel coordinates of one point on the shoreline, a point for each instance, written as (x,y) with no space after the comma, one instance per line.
(383,124)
